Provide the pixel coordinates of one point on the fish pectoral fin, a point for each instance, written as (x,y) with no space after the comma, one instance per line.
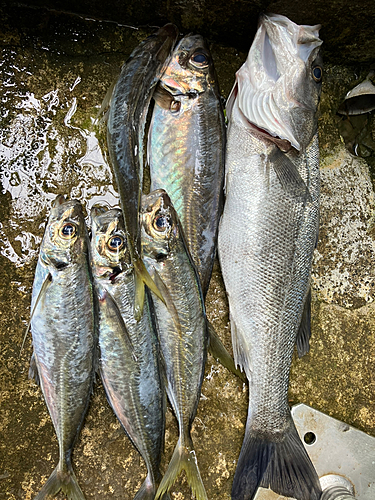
(219,352)
(112,305)
(288,175)
(304,332)
(142,277)
(33,369)
(45,285)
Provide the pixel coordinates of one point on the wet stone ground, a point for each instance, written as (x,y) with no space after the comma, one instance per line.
(55,72)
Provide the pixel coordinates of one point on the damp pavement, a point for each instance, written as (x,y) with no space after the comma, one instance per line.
(55,72)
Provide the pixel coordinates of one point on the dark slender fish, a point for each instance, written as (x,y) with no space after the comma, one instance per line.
(126,125)
(129,354)
(267,236)
(64,335)
(182,328)
(186,147)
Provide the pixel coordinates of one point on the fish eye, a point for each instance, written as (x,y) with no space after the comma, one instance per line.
(115,243)
(175,106)
(68,231)
(317,74)
(199,59)
(162,222)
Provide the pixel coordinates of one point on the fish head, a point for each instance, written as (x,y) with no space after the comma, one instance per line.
(190,70)
(65,239)
(278,87)
(109,251)
(159,225)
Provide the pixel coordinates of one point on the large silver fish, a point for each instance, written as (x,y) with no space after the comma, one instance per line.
(125,131)
(186,147)
(63,327)
(182,328)
(267,236)
(129,354)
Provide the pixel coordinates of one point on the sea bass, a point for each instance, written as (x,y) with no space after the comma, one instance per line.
(186,147)
(267,236)
(128,348)
(182,328)
(64,332)
(125,131)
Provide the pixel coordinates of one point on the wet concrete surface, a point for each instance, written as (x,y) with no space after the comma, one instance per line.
(55,72)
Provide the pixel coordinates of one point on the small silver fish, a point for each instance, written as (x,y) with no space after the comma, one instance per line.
(129,354)
(267,236)
(125,131)
(64,332)
(182,328)
(186,147)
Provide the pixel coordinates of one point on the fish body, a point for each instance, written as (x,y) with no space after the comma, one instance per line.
(186,147)
(125,131)
(129,354)
(182,328)
(267,236)
(64,334)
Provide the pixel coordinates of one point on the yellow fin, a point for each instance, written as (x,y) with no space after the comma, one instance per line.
(142,277)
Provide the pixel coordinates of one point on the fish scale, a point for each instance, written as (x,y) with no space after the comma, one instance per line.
(267,236)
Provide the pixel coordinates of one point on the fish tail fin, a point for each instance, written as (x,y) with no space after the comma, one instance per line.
(183,458)
(147,490)
(142,277)
(61,480)
(281,464)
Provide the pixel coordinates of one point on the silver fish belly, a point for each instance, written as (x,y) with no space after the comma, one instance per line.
(64,334)
(186,147)
(267,236)
(129,354)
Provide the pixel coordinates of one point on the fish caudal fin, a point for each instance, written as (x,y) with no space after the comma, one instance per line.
(183,458)
(281,464)
(147,490)
(64,481)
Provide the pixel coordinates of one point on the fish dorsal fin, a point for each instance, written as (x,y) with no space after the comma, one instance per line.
(112,305)
(219,352)
(304,332)
(288,175)
(43,289)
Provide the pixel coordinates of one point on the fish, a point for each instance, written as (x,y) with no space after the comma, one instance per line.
(267,236)
(125,131)
(182,328)
(64,332)
(186,147)
(129,353)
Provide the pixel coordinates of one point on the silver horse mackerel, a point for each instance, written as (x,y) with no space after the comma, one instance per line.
(267,236)
(125,131)
(182,328)
(186,147)
(64,331)
(129,354)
